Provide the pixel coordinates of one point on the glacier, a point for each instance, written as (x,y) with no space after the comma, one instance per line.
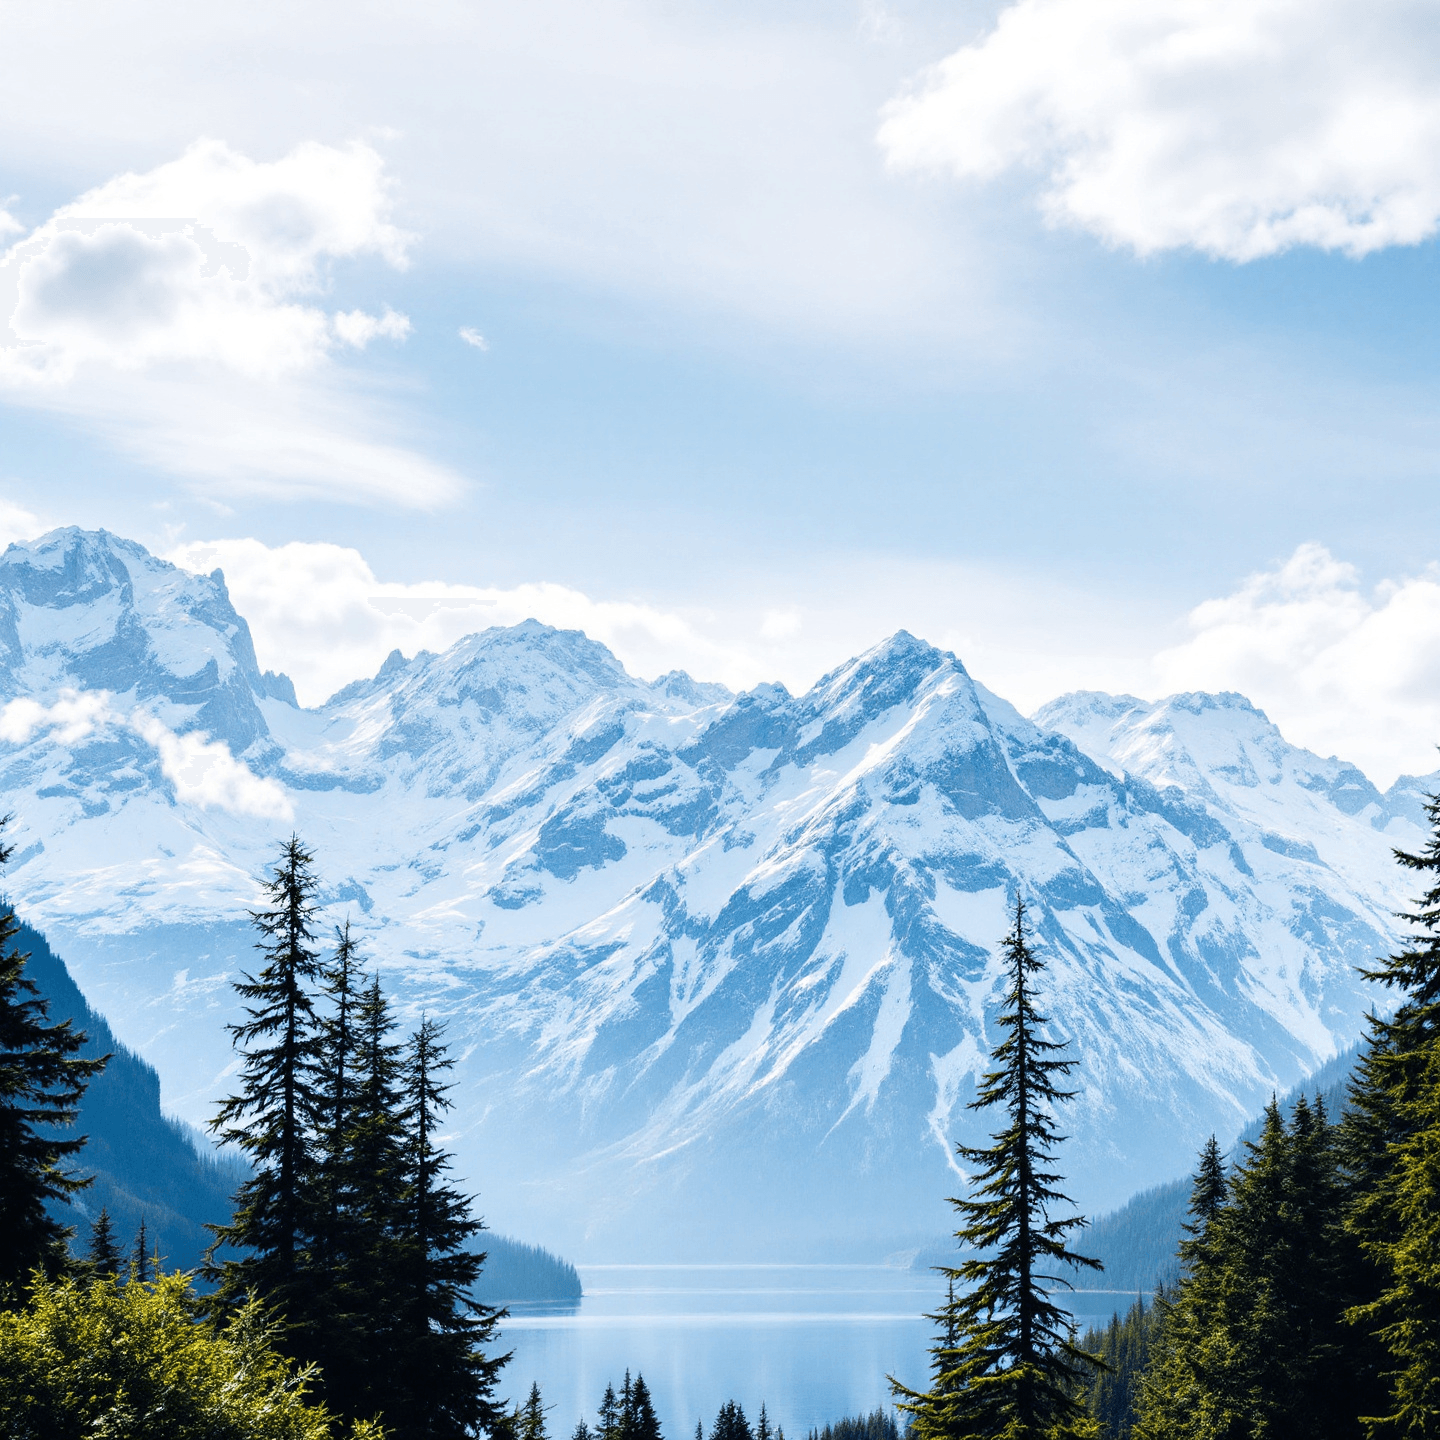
(718,969)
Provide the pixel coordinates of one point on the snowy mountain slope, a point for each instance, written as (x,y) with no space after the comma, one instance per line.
(719,967)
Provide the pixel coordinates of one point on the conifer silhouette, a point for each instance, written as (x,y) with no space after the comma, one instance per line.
(1005,1363)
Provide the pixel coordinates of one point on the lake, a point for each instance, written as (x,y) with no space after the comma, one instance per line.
(813,1342)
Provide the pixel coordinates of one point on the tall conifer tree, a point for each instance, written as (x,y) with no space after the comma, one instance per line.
(1391,1147)
(273,1117)
(446,1377)
(42,1078)
(369,1334)
(1005,1364)
(140,1255)
(337,1087)
(103,1258)
(644,1423)
(344,1257)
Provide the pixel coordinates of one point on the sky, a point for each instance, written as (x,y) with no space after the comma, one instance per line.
(1092,339)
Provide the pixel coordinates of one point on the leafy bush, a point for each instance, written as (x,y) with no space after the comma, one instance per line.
(100,1359)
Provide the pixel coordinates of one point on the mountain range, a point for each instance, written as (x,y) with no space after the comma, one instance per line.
(719,969)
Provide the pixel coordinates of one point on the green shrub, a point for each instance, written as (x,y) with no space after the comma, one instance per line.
(99,1359)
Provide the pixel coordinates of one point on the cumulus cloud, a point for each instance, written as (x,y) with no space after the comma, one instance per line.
(471,336)
(1341,669)
(319,612)
(116,277)
(181,311)
(1239,128)
(205,773)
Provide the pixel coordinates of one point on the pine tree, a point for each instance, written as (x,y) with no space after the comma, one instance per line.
(581,1431)
(140,1256)
(445,1375)
(336,1090)
(1207,1191)
(1005,1363)
(103,1257)
(1390,1142)
(731,1424)
(762,1425)
(531,1425)
(362,1341)
(42,1079)
(644,1423)
(1404,1316)
(345,1267)
(273,1117)
(607,1426)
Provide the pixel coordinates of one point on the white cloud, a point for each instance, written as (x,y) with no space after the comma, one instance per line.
(116,277)
(318,612)
(1238,128)
(205,773)
(72,717)
(18,523)
(178,312)
(472,336)
(357,328)
(1340,669)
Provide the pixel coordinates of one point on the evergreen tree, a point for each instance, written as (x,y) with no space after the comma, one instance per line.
(103,1257)
(1253,1341)
(337,1090)
(608,1424)
(1005,1363)
(361,1268)
(531,1425)
(731,1424)
(627,1407)
(581,1431)
(42,1079)
(346,1267)
(273,1117)
(1391,1146)
(1207,1192)
(446,1377)
(762,1425)
(140,1256)
(644,1423)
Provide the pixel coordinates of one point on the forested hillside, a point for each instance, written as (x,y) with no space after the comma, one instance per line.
(151,1168)
(1139,1243)
(146,1165)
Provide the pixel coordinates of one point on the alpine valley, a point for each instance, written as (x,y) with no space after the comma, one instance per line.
(717,967)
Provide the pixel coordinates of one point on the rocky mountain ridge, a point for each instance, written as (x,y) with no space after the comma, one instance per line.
(720,968)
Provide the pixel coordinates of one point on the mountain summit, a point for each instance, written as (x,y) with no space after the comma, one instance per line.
(721,968)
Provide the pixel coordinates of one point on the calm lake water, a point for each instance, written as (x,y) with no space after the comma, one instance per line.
(814,1342)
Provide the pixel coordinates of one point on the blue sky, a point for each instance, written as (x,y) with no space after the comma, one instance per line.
(1093,339)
